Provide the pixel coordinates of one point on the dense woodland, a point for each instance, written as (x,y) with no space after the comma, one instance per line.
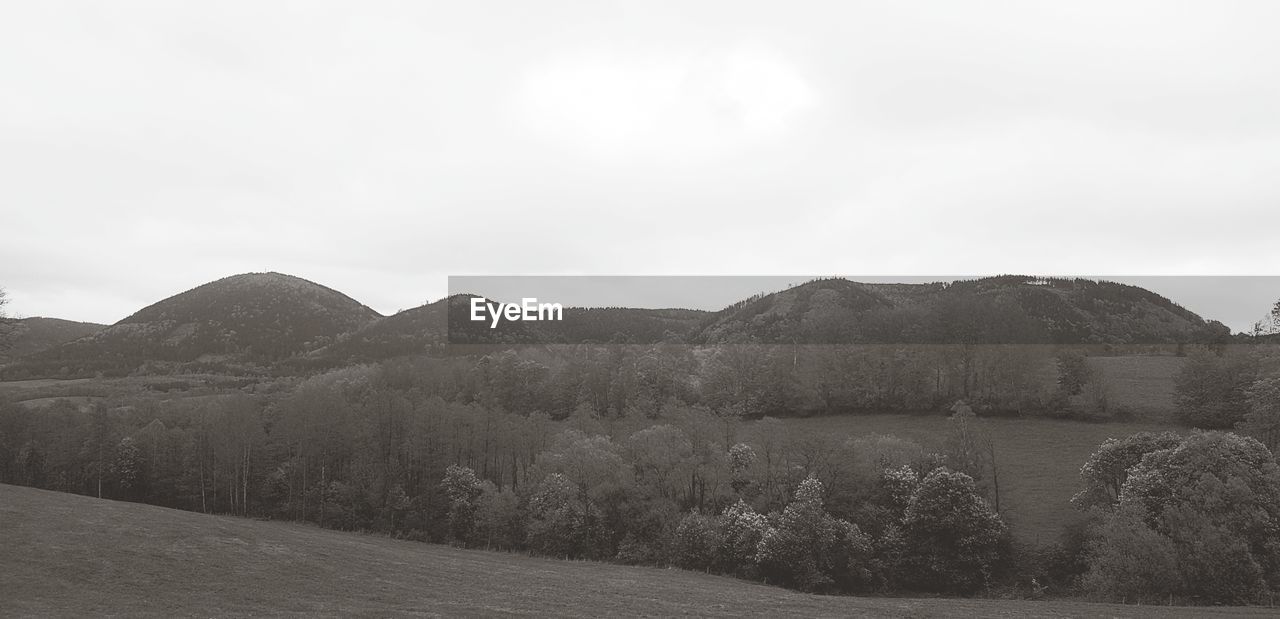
(643,454)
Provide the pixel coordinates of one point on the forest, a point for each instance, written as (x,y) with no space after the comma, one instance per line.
(678,455)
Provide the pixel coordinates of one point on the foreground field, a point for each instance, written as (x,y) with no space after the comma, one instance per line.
(1038,459)
(67,555)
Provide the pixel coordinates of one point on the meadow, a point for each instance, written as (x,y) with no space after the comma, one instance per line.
(69,555)
(1144,384)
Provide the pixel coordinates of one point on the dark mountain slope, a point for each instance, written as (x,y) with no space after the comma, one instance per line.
(31,335)
(423,329)
(254,318)
(408,332)
(996,310)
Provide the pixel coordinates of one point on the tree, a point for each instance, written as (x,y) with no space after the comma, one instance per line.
(1130,562)
(126,468)
(1215,500)
(556,520)
(6,330)
(1074,372)
(1105,472)
(952,538)
(811,550)
(964,450)
(742,458)
(1263,419)
(660,456)
(1210,391)
(1269,324)
(497,517)
(463,489)
(697,542)
(741,530)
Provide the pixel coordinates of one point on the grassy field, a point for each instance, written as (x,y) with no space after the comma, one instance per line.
(1144,384)
(83,392)
(67,555)
(1038,459)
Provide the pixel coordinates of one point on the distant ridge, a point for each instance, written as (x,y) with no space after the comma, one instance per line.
(32,335)
(995,310)
(407,332)
(255,321)
(253,318)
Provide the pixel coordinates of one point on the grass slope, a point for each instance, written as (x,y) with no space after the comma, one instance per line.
(68,555)
(1039,459)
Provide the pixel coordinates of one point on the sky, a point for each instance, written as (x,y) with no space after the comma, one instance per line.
(380,147)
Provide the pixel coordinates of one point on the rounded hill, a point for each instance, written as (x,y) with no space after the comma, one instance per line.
(248,318)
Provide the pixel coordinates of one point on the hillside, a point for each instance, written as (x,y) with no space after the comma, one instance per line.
(408,332)
(31,335)
(599,325)
(996,310)
(69,555)
(250,318)
(252,321)
(425,328)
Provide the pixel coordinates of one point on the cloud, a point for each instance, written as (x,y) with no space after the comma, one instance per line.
(661,103)
(379,147)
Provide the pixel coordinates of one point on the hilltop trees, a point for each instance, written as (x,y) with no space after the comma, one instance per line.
(1269,324)
(5,331)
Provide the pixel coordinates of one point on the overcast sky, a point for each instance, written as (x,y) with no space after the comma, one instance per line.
(378,148)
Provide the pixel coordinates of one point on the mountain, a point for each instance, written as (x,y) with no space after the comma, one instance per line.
(1011,309)
(426,328)
(31,335)
(252,321)
(254,318)
(408,332)
(598,325)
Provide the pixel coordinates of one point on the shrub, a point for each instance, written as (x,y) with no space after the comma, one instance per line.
(1130,562)
(697,542)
